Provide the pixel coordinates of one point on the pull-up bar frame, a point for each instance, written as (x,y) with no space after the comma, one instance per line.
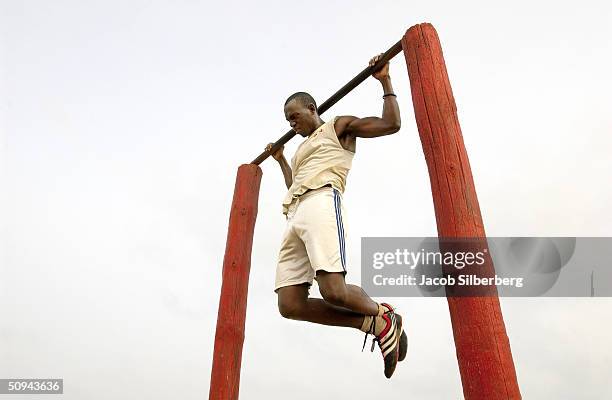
(482,345)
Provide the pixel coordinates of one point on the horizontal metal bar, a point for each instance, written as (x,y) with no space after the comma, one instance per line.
(343,91)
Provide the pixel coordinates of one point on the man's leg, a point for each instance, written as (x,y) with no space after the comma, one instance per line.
(314,237)
(388,329)
(336,291)
(294,303)
(342,304)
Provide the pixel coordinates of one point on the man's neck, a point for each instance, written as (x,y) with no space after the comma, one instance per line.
(319,124)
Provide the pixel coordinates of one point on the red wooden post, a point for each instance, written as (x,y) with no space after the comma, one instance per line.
(229,337)
(483,349)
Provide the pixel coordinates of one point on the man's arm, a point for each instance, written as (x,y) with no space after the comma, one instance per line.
(282,161)
(371,127)
(286,171)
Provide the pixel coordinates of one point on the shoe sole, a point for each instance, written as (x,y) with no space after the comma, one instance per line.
(403,339)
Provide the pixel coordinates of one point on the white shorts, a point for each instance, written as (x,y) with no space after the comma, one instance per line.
(313,239)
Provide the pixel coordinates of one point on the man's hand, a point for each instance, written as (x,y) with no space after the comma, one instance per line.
(382,73)
(278,154)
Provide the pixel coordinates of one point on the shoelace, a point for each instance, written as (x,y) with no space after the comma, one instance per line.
(370,331)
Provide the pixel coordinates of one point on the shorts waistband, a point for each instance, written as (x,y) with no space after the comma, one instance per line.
(310,191)
(292,207)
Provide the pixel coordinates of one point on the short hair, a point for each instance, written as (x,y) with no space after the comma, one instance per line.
(303,98)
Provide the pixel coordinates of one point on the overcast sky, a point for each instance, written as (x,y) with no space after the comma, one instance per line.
(123,124)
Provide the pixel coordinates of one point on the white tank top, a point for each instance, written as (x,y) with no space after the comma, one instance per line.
(319,160)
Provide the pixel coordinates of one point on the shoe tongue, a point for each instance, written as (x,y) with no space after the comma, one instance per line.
(384,308)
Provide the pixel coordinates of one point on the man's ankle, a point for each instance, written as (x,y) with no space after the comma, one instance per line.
(373,324)
(383,308)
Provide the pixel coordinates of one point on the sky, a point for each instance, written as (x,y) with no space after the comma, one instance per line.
(123,124)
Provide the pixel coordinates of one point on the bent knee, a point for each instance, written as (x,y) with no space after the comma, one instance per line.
(290,310)
(292,300)
(336,296)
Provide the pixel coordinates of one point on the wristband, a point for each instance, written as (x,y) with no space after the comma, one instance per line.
(389,94)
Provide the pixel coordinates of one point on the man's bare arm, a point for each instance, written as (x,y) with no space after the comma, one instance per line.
(282,161)
(286,171)
(371,127)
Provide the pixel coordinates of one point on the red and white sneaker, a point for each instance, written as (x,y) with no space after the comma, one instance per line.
(392,340)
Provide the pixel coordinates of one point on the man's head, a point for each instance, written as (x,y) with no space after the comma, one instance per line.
(301,112)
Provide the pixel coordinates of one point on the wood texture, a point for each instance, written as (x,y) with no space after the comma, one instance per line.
(483,349)
(229,337)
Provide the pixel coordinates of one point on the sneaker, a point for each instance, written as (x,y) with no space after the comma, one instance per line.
(401,335)
(387,340)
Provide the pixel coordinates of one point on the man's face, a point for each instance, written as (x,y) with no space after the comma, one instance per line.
(302,119)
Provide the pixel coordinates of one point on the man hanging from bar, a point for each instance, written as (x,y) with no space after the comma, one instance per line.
(313,245)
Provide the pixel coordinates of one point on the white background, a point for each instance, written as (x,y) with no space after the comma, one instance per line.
(123,124)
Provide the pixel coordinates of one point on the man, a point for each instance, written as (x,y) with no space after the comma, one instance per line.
(313,244)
